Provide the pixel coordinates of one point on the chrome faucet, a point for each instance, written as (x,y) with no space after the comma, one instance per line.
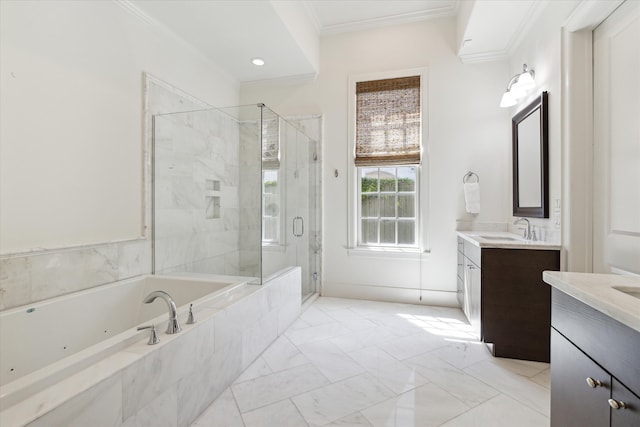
(174,326)
(527,231)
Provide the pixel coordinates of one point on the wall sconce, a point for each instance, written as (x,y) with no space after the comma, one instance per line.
(518,87)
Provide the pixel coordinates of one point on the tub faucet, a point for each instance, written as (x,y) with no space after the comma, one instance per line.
(174,326)
(527,231)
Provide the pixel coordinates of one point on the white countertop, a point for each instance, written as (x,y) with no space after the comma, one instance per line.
(504,240)
(599,291)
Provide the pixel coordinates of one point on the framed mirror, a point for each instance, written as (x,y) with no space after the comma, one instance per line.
(530,139)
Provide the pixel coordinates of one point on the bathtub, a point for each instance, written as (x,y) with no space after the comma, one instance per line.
(46,342)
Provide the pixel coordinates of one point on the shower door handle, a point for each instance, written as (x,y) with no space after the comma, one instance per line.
(298,220)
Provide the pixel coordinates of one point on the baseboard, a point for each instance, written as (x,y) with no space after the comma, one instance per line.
(390,294)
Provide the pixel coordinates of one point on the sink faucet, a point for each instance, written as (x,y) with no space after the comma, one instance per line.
(173,327)
(527,231)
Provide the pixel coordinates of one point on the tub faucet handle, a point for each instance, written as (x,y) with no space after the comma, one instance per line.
(190,319)
(153,337)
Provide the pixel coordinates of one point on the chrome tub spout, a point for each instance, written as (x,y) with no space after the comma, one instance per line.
(174,326)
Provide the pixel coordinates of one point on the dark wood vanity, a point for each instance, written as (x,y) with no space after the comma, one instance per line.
(595,363)
(502,293)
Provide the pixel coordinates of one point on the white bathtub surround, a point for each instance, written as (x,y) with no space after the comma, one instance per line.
(175,380)
(441,376)
(31,277)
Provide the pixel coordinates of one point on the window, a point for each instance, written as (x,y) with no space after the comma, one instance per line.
(388,206)
(271,190)
(387,159)
(270,207)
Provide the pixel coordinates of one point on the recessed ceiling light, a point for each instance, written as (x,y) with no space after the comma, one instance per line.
(258,61)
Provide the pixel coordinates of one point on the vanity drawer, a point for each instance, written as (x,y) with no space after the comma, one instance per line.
(610,343)
(472,252)
(460,265)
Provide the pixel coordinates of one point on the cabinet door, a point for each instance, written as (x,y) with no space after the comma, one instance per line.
(473,294)
(626,416)
(573,401)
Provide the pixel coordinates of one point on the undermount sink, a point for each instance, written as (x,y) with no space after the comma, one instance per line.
(499,238)
(629,290)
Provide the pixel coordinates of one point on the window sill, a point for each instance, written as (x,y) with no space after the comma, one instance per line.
(274,247)
(386,252)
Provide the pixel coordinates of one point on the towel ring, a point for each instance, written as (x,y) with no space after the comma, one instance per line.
(468,176)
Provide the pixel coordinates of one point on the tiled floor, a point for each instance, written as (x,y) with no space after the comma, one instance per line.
(362,363)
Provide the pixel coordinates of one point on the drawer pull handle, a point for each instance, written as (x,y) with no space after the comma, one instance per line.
(593,383)
(617,404)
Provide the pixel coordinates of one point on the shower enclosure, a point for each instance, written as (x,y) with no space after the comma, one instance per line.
(236,192)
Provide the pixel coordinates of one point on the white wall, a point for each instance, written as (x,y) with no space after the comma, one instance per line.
(540,49)
(71,117)
(467,131)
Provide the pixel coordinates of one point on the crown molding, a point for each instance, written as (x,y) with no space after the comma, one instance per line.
(475,58)
(282,81)
(403,18)
(311,12)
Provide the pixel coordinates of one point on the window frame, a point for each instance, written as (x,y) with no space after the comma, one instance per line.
(422,178)
(380,218)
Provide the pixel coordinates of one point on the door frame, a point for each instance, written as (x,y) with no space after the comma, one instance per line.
(577,133)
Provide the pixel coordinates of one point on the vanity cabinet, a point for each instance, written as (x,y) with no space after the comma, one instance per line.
(503,296)
(595,367)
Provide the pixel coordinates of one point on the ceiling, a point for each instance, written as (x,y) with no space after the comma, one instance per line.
(287,33)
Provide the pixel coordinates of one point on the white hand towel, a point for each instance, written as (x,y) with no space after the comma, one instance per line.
(472,197)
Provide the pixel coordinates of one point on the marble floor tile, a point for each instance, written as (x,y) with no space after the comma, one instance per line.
(463,387)
(366,338)
(277,386)
(351,320)
(412,345)
(415,367)
(353,420)
(427,405)
(330,360)
(524,368)
(511,383)
(223,412)
(257,369)
(314,316)
(396,375)
(543,378)
(316,332)
(332,402)
(282,354)
(463,353)
(501,411)
(280,414)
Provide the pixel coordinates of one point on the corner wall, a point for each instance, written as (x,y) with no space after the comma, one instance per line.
(467,131)
(73,196)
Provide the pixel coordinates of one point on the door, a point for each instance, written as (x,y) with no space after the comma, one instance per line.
(616,196)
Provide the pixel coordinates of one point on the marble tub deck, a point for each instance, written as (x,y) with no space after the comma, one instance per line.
(362,363)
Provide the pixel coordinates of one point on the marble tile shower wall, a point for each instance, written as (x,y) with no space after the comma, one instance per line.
(197,193)
(250,199)
(43,274)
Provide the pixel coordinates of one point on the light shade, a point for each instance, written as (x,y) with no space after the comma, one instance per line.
(257,61)
(525,81)
(508,100)
(518,87)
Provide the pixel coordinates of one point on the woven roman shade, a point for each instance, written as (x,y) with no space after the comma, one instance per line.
(270,143)
(388,122)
